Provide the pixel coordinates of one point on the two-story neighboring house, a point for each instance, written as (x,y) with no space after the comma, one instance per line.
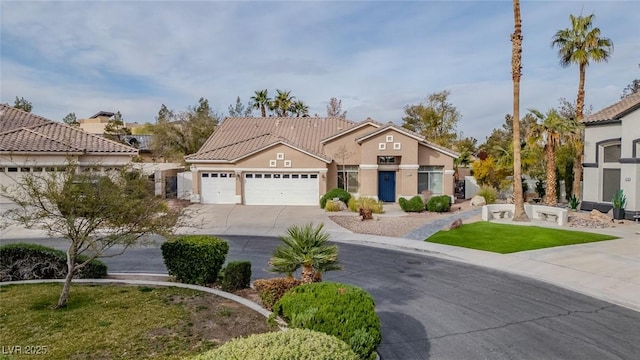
(294,161)
(612,156)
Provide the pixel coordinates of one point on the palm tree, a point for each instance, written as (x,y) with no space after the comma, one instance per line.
(580,44)
(305,247)
(516,71)
(300,108)
(549,131)
(282,102)
(260,101)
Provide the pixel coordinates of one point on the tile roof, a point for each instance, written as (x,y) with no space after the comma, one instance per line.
(237,137)
(615,111)
(21,131)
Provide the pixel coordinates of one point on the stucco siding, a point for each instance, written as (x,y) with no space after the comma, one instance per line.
(631,131)
(597,133)
(298,160)
(408,148)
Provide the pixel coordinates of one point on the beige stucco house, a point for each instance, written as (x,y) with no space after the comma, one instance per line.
(294,161)
(31,143)
(612,156)
(96,123)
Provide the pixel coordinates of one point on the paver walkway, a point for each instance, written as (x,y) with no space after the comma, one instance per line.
(431,228)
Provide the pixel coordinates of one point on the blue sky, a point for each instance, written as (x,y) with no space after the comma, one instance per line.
(377,56)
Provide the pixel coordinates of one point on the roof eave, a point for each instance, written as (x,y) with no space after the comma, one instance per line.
(344,132)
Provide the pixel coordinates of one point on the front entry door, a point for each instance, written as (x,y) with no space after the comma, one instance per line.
(387,186)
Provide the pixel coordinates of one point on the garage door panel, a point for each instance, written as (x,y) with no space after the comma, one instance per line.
(281,189)
(218,188)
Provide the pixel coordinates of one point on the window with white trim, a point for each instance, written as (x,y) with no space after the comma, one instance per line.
(348,178)
(430,178)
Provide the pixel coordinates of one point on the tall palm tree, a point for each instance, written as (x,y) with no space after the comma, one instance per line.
(260,101)
(305,247)
(580,44)
(516,71)
(300,108)
(549,132)
(282,103)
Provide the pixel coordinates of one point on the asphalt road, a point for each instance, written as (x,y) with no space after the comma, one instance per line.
(432,308)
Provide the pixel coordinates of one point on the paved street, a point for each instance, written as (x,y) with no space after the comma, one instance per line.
(433,308)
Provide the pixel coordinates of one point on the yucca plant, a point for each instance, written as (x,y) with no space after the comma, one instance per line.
(305,247)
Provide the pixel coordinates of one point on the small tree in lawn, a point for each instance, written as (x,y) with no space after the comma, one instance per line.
(93,211)
(305,247)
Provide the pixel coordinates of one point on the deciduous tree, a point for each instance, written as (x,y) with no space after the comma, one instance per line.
(334,108)
(632,88)
(175,136)
(95,212)
(435,118)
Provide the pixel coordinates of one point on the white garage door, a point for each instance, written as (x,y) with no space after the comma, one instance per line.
(217,188)
(281,189)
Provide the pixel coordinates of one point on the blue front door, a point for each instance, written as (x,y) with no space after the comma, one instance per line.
(387,186)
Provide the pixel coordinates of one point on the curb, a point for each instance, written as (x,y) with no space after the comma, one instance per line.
(248,303)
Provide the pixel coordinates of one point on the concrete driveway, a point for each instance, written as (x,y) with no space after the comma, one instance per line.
(267,220)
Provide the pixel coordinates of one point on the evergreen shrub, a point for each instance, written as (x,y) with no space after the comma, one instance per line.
(195,259)
(345,311)
(22,261)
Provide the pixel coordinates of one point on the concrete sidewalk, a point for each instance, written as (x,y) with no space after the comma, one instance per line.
(607,270)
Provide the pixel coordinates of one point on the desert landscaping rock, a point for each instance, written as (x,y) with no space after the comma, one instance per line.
(478,201)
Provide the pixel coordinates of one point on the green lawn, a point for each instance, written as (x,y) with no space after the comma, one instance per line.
(119,322)
(504,238)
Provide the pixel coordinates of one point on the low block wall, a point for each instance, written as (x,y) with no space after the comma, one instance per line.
(534,212)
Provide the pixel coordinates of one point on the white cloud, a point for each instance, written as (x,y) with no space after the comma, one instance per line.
(376,56)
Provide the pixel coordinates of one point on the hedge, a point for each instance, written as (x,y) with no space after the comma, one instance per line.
(345,311)
(32,261)
(236,275)
(415,204)
(195,259)
(292,344)
(341,194)
(440,203)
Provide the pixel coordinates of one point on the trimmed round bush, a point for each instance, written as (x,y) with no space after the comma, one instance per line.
(236,275)
(341,194)
(440,203)
(32,261)
(271,290)
(415,204)
(195,259)
(344,311)
(292,344)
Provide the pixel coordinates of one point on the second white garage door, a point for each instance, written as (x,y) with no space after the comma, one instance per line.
(218,188)
(281,189)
